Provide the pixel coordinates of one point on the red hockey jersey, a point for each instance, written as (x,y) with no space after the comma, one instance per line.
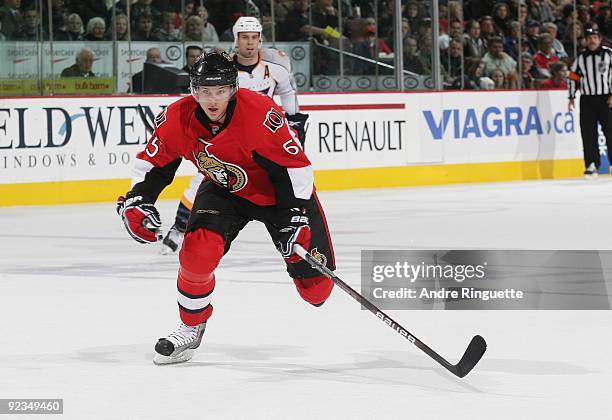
(253,154)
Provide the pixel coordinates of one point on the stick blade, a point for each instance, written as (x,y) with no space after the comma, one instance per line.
(470,358)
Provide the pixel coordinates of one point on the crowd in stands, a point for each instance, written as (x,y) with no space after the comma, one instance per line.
(484,44)
(105,20)
(518,43)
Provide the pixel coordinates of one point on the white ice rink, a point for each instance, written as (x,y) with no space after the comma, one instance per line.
(82,304)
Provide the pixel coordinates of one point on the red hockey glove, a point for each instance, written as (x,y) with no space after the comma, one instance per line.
(141,219)
(293,229)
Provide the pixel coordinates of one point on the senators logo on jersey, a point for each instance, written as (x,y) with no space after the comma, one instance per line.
(274,120)
(226,175)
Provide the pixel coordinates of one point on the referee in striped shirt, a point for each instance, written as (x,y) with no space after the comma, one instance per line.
(593,71)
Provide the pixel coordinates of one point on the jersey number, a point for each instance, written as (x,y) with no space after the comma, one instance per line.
(152,148)
(292,149)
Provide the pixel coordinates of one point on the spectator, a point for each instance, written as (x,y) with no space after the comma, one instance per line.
(511,42)
(412,59)
(144,7)
(191,55)
(227,11)
(557,46)
(545,55)
(295,26)
(499,79)
(455,11)
(473,44)
(362,8)
(574,38)
(29,30)
(528,81)
(228,34)
(138,81)
(496,58)
(530,73)
(325,30)
(443,17)
(412,14)
(426,53)
(367,46)
(568,17)
(405,29)
(452,62)
(74,29)
(584,16)
(193,29)
(189,8)
(474,68)
(10,18)
(539,10)
(523,16)
(558,76)
(604,21)
(82,67)
(167,32)
(474,9)
(210,33)
(325,16)
(121,27)
(59,17)
(96,29)
(145,29)
(500,18)
(532,33)
(425,29)
(90,9)
(487,28)
(456,30)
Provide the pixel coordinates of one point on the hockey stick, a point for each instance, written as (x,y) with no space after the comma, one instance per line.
(150,129)
(472,355)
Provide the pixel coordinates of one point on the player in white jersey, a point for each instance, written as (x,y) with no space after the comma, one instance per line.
(264,70)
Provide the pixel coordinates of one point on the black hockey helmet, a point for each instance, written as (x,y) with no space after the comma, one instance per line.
(215,68)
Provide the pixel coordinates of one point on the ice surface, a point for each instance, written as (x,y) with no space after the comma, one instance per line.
(81,306)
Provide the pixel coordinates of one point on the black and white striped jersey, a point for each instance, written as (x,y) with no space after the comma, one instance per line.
(593,70)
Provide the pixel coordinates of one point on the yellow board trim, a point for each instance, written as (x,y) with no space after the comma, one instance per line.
(69,192)
(462,173)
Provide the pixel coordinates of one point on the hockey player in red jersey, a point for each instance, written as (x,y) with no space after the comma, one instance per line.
(255,169)
(265,70)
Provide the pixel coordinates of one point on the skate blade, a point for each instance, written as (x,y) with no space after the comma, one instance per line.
(183,357)
(166,250)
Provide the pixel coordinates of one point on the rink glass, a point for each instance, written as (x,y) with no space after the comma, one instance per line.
(333,45)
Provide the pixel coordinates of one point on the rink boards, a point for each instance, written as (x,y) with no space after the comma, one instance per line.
(80,149)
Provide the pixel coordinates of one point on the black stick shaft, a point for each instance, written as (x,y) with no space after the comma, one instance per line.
(150,129)
(460,371)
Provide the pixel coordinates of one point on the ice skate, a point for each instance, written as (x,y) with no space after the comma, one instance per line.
(591,171)
(179,345)
(172,241)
